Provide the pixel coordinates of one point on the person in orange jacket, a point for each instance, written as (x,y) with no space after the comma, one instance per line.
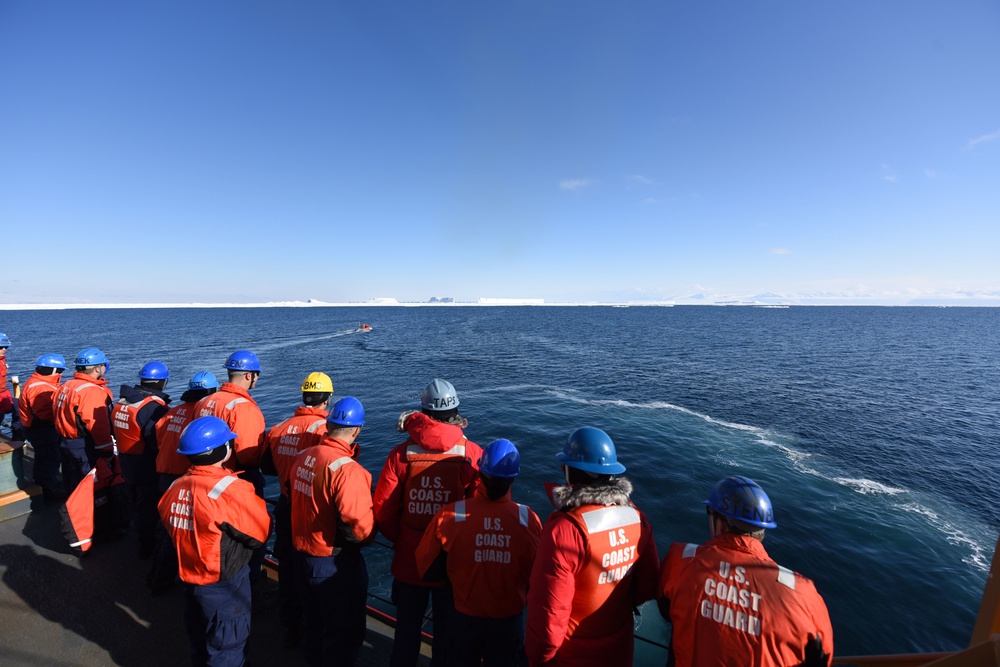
(133,419)
(35,410)
(331,520)
(82,411)
(729,603)
(436,465)
(215,521)
(485,546)
(169,466)
(233,404)
(596,561)
(283,443)
(6,399)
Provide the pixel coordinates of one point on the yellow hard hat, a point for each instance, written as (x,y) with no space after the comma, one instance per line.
(318,382)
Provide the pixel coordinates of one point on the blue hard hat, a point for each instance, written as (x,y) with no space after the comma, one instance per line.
(203,380)
(203,435)
(51,360)
(90,356)
(740,498)
(348,411)
(591,450)
(243,360)
(154,370)
(500,459)
(4,340)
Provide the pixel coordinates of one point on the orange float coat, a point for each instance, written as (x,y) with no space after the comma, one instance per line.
(432,468)
(234,406)
(596,561)
(304,429)
(331,499)
(131,432)
(82,409)
(731,605)
(168,437)
(94,505)
(36,398)
(491,547)
(214,520)
(6,400)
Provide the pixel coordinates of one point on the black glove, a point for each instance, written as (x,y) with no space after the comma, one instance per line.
(815,656)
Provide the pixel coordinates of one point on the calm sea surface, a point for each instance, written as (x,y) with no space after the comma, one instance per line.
(873,430)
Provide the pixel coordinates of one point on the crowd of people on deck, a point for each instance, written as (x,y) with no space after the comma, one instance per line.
(503,587)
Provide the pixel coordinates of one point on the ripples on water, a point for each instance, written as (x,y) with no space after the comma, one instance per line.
(872,429)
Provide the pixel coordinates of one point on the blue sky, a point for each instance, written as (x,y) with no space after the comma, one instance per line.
(571,151)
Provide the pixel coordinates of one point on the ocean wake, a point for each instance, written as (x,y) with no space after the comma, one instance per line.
(977,554)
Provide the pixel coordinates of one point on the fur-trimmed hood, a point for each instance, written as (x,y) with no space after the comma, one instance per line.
(613,492)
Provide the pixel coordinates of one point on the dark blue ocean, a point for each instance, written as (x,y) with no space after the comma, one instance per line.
(873,430)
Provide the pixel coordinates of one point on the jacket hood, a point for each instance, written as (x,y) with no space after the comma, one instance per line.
(432,434)
(613,492)
(134,394)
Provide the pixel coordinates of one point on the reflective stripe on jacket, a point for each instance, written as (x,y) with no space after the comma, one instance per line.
(215,521)
(234,406)
(731,605)
(129,434)
(594,564)
(403,508)
(331,499)
(36,398)
(82,410)
(168,437)
(304,429)
(491,547)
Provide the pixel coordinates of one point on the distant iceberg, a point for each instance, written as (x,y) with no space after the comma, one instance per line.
(499,301)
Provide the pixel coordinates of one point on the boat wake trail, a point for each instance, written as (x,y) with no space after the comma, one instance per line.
(305,339)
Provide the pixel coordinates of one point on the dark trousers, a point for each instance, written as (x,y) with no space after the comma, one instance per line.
(217,618)
(494,642)
(256,477)
(143,484)
(44,440)
(411,603)
(164,571)
(78,457)
(334,592)
(289,609)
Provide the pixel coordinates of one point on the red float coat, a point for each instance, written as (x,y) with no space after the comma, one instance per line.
(491,547)
(234,406)
(732,606)
(432,468)
(331,499)
(214,520)
(36,398)
(134,418)
(304,429)
(596,561)
(6,400)
(168,437)
(82,409)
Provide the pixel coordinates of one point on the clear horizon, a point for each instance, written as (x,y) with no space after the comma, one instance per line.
(580,152)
